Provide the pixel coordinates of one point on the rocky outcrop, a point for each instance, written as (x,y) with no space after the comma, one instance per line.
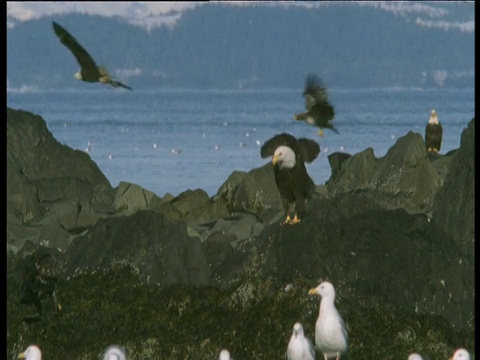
(454,203)
(159,251)
(405,177)
(394,234)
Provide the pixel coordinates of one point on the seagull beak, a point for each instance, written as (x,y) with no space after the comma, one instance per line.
(312,291)
(21,355)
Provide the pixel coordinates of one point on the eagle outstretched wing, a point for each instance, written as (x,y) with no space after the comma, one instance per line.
(89,67)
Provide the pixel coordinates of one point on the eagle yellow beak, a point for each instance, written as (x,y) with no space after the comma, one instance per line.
(312,291)
(274,159)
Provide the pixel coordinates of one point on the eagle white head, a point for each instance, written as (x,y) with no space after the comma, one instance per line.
(284,157)
(433,118)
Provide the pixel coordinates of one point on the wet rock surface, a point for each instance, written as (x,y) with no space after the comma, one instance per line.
(183,277)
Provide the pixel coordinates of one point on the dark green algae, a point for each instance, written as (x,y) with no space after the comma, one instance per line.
(180,322)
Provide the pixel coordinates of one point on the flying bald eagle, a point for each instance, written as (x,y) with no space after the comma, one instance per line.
(320,112)
(433,133)
(41,269)
(89,71)
(289,156)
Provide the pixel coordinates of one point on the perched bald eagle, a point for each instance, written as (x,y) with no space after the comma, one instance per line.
(320,112)
(89,71)
(433,133)
(41,269)
(289,156)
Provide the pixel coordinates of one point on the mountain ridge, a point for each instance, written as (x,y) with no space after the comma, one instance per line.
(229,47)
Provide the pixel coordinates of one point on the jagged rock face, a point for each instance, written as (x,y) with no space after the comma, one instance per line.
(454,204)
(160,251)
(39,156)
(404,178)
(51,188)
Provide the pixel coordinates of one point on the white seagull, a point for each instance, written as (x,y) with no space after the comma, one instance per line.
(460,354)
(32,353)
(414,356)
(115,352)
(300,347)
(331,337)
(224,355)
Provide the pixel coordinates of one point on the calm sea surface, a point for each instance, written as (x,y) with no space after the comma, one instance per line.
(168,141)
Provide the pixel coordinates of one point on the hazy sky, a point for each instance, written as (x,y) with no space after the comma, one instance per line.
(459,16)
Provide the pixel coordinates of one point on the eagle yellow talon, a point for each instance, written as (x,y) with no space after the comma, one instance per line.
(295,220)
(286,221)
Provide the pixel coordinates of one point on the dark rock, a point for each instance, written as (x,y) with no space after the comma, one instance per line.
(51,188)
(22,202)
(336,160)
(377,256)
(38,156)
(130,198)
(403,178)
(40,268)
(454,203)
(192,206)
(159,251)
(253,192)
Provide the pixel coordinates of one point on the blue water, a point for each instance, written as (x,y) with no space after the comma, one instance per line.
(168,141)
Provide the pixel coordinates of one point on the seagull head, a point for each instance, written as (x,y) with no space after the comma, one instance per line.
(32,353)
(325,290)
(297,330)
(460,354)
(224,355)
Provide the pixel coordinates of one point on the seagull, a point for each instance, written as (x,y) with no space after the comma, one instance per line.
(224,355)
(300,347)
(414,356)
(32,353)
(89,71)
(460,354)
(331,337)
(115,352)
(320,112)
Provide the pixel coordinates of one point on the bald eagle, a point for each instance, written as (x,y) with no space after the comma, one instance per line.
(320,112)
(89,71)
(41,269)
(289,156)
(433,133)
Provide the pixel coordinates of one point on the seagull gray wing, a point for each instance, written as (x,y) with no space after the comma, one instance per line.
(89,68)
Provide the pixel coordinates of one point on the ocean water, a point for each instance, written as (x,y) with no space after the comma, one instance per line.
(168,141)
